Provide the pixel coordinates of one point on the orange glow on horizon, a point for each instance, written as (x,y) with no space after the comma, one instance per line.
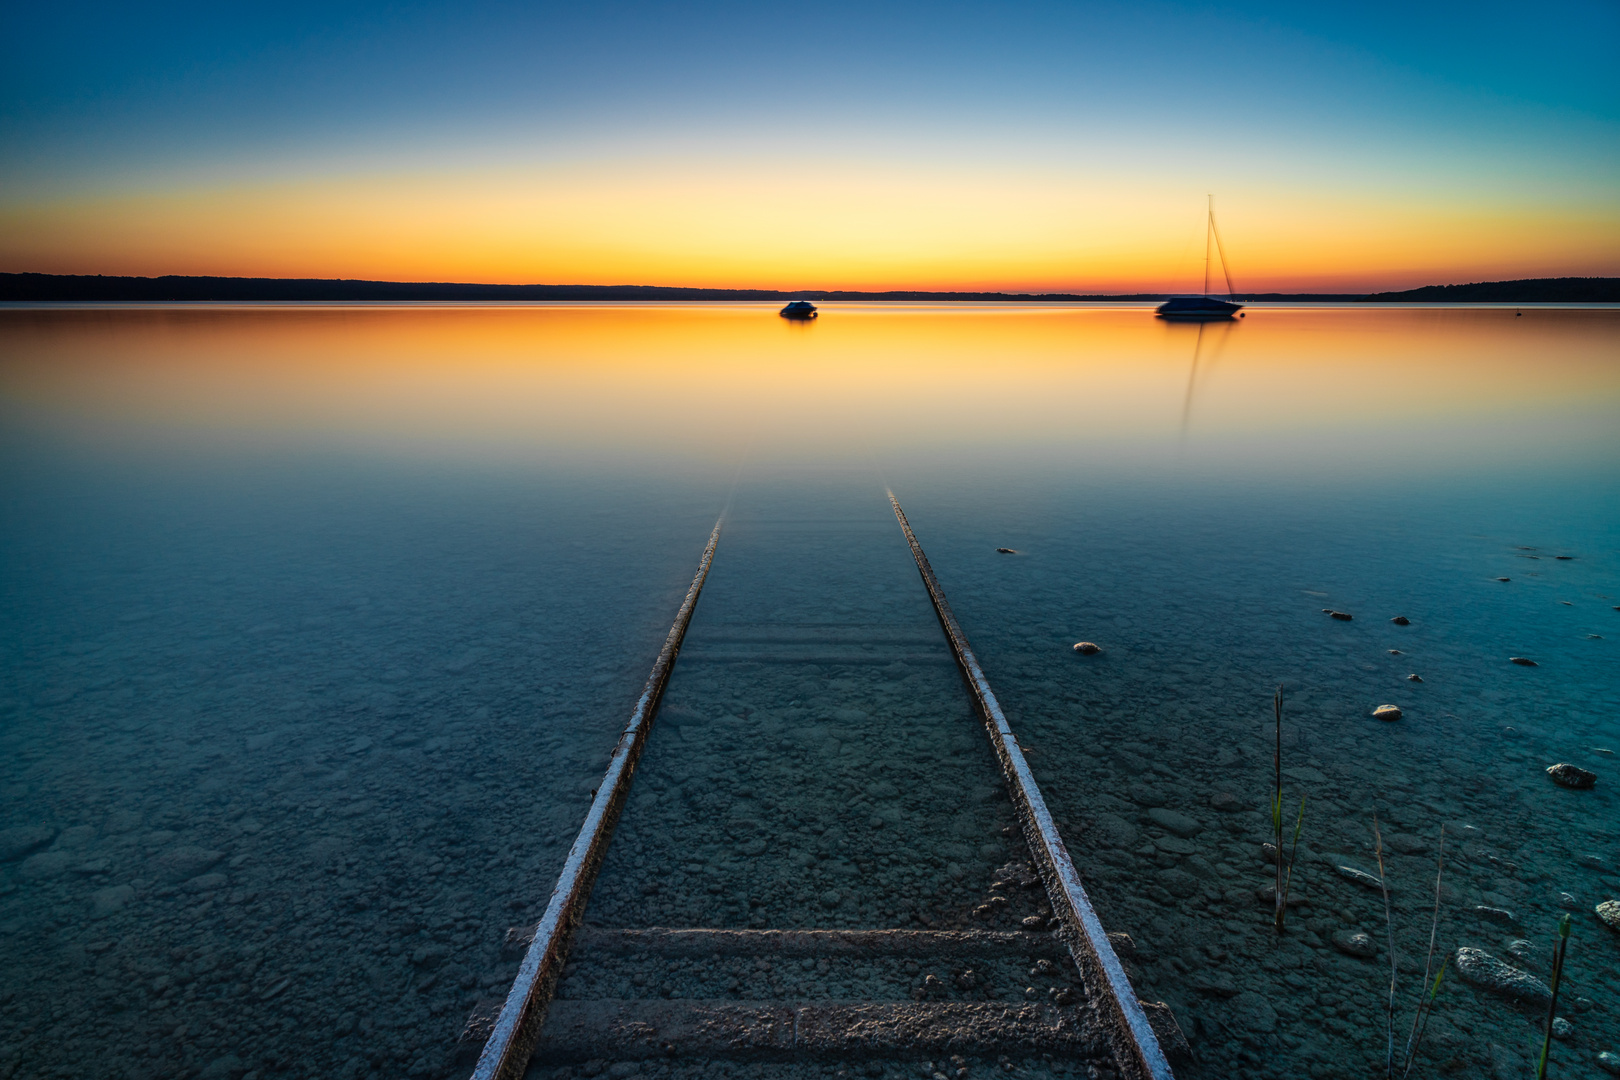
(781,230)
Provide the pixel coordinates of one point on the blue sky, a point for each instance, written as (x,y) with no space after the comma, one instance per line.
(1498,101)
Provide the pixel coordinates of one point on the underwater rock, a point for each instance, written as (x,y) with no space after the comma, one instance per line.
(1504,579)
(1268,854)
(1523,661)
(1342,616)
(1562,1029)
(1401,620)
(1387,712)
(1007,551)
(23,839)
(1609,912)
(1226,803)
(1609,1063)
(1414,678)
(47,864)
(1360,877)
(1252,1013)
(1033,922)
(1180,824)
(1355,943)
(1479,968)
(186,862)
(1496,915)
(104,902)
(1087,648)
(1568,902)
(1571,776)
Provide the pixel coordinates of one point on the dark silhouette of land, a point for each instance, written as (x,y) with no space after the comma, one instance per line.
(1557,290)
(88,288)
(96,288)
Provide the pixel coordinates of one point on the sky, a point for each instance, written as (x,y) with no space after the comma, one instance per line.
(1017,146)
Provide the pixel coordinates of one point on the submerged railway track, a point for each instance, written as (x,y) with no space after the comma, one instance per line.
(1026,981)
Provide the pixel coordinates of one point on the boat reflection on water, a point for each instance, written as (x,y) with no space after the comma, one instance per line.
(799,309)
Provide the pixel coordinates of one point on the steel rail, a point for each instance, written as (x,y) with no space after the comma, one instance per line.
(1137,1046)
(517,1028)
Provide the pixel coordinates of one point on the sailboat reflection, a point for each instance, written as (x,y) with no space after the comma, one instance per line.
(1224,329)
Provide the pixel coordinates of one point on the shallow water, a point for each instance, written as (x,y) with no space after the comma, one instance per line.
(319,624)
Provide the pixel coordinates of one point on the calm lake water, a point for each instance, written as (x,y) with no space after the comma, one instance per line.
(318,624)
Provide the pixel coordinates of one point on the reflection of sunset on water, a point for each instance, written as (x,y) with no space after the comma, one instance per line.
(703,381)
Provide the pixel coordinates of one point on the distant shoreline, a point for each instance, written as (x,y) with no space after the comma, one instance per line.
(86,288)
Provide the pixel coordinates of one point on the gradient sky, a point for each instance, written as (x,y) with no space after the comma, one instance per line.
(1010,146)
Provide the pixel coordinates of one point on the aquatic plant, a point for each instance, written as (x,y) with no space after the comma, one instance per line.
(1552,1006)
(1428,990)
(1285,876)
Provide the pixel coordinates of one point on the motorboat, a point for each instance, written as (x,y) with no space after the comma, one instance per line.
(799,309)
(1205,306)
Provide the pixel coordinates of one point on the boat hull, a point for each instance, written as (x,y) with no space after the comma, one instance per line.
(1197,307)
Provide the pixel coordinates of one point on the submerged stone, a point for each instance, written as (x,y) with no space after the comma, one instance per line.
(1401,620)
(1387,712)
(1571,776)
(1414,678)
(1523,661)
(1180,824)
(1087,648)
(1355,943)
(23,839)
(1609,912)
(1498,915)
(1479,968)
(1360,877)
(1342,616)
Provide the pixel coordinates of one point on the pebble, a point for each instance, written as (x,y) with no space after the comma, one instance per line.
(1394,652)
(1342,616)
(1571,776)
(23,839)
(1087,648)
(1523,661)
(1033,922)
(1414,678)
(1496,915)
(106,901)
(185,862)
(1387,712)
(1562,1029)
(1609,912)
(47,864)
(1568,902)
(1226,803)
(1007,551)
(1609,1063)
(1360,877)
(1180,824)
(1401,620)
(1355,943)
(1504,579)
(1479,968)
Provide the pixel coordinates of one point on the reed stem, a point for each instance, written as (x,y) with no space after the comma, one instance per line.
(1552,1006)
(1414,1038)
(1389,927)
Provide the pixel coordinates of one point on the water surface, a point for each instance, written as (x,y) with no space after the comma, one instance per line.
(319,624)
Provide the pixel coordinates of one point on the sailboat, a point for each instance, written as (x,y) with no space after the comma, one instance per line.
(1205,306)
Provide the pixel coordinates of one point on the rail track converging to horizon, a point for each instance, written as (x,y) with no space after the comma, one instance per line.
(797,886)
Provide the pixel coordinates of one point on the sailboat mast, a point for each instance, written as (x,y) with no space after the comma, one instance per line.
(1208,226)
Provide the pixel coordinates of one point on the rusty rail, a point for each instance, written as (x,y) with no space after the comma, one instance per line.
(517,1027)
(1136,1045)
